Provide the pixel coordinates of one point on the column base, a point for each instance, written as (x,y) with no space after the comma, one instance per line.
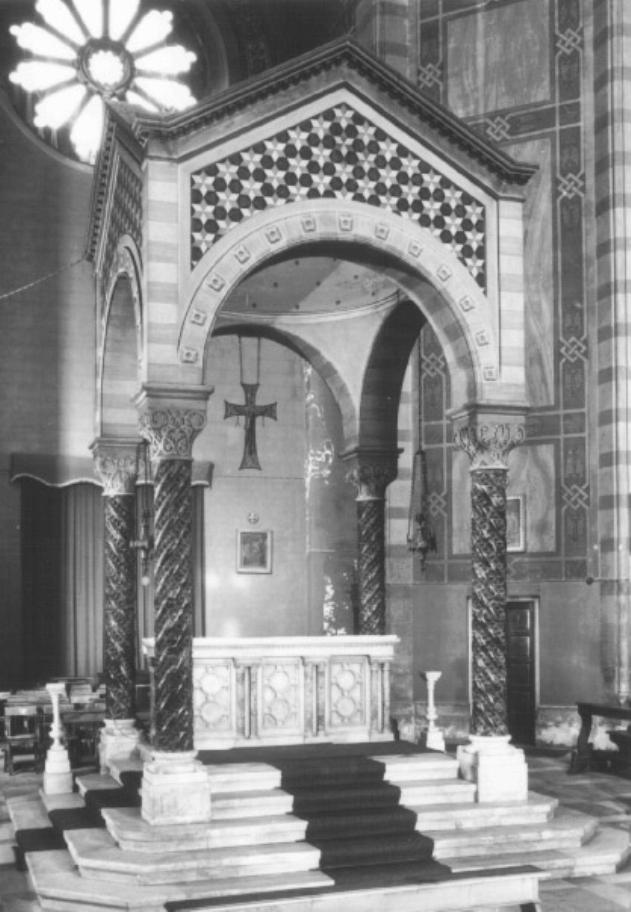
(175,789)
(57,778)
(119,738)
(498,769)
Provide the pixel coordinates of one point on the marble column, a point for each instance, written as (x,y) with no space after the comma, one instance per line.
(611,476)
(175,786)
(499,769)
(116,466)
(371,471)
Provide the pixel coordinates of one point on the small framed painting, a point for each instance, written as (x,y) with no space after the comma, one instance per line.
(516,523)
(254,551)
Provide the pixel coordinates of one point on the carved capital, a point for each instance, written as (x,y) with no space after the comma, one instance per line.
(116,465)
(171,432)
(488,445)
(170,420)
(371,472)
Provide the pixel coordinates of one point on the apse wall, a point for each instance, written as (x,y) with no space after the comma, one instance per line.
(303,527)
(47,341)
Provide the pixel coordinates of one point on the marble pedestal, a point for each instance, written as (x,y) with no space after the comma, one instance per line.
(498,769)
(57,772)
(175,789)
(119,738)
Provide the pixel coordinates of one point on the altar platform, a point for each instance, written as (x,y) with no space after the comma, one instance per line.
(309,829)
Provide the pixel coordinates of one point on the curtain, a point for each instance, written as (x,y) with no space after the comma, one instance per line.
(62,565)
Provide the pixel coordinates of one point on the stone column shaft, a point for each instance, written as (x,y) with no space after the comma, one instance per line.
(371,472)
(171,425)
(488,447)
(116,465)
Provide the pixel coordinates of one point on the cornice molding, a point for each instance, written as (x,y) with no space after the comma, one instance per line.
(349,58)
(116,132)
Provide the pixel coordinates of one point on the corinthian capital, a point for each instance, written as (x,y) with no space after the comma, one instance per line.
(489,445)
(371,471)
(116,465)
(170,420)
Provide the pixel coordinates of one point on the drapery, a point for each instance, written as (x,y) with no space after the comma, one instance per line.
(62,532)
(62,567)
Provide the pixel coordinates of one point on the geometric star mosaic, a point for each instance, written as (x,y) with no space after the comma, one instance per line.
(336,154)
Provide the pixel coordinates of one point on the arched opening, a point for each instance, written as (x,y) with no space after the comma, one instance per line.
(119,380)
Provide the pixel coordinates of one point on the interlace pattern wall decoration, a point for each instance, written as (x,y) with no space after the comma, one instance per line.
(338,154)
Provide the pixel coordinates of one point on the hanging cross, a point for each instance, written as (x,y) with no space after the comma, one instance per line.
(250,411)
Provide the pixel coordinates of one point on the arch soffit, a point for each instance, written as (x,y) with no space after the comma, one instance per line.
(126,263)
(458,311)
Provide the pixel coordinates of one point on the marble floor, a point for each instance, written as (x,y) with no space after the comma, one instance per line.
(601,795)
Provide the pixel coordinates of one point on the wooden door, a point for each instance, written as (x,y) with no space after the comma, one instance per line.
(520,670)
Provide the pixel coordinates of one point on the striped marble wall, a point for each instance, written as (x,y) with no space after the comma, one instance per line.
(612,120)
(515,70)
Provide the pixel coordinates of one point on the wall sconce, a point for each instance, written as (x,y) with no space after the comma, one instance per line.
(144,546)
(421,537)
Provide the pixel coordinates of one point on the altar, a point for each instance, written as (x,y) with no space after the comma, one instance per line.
(290,690)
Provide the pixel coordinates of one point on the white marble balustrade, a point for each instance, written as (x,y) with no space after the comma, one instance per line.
(290,690)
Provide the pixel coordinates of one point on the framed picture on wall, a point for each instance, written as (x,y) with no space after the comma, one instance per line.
(254,551)
(516,523)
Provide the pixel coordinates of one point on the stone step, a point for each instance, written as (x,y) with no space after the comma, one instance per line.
(254,803)
(27,812)
(95,782)
(245,777)
(605,853)
(61,888)
(97,856)
(352,770)
(569,829)
(132,833)
(374,849)
(470,815)
(400,768)
(437,791)
(120,767)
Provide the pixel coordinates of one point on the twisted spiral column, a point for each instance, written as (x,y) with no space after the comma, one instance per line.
(371,472)
(170,425)
(488,597)
(116,466)
(488,446)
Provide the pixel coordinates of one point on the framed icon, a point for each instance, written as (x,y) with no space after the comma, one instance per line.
(254,551)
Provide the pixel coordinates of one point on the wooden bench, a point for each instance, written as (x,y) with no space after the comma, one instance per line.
(582,756)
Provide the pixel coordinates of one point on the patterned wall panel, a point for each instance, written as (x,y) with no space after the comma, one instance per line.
(337,154)
(553,116)
(126,211)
